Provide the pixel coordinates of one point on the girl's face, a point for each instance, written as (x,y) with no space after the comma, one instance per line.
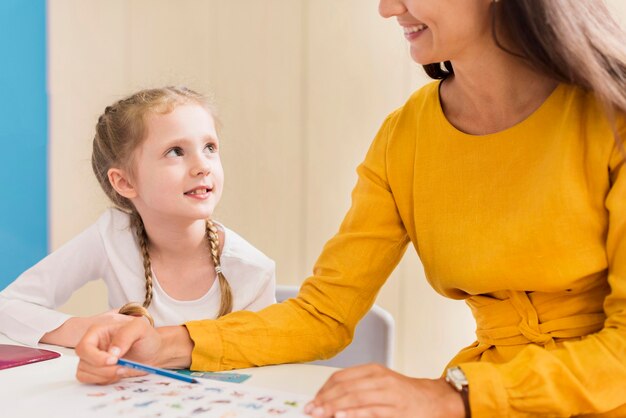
(177,169)
(442,30)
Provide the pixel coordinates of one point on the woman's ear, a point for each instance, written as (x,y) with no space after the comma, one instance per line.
(120,181)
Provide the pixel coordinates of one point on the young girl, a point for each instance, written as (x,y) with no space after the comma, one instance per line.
(156,156)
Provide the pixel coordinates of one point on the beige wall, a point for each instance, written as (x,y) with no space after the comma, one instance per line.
(302,87)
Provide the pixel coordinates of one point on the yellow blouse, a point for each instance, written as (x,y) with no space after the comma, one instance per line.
(526,225)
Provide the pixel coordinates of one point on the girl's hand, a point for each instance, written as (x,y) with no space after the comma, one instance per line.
(72,330)
(376,391)
(104,344)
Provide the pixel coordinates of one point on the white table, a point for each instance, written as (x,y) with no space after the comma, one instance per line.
(19,384)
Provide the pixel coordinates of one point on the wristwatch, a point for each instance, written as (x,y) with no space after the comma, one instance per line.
(456,378)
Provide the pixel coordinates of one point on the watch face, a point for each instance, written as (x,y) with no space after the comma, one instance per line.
(456,376)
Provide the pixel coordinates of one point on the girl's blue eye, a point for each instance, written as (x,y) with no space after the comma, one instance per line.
(211,148)
(174,152)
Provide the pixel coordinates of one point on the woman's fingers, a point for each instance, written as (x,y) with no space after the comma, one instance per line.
(88,373)
(352,388)
(103,345)
(361,394)
(93,348)
(97,365)
(350,374)
(128,334)
(368,412)
(344,378)
(349,388)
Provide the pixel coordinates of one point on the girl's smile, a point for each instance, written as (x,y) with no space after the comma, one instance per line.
(200,192)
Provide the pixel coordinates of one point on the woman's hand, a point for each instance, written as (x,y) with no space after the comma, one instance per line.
(136,340)
(104,344)
(72,330)
(376,391)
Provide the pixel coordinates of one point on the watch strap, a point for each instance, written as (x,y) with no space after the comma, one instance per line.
(456,378)
(465,396)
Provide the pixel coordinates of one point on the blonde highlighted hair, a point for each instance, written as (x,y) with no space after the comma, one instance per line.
(119,132)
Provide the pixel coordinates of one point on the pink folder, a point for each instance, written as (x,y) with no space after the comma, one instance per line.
(17,355)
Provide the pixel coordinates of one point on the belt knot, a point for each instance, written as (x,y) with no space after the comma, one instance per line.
(514,319)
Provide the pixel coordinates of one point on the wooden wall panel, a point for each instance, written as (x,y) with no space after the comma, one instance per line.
(171,43)
(258,84)
(87,66)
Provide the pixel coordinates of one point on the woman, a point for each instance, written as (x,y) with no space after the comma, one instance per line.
(506,176)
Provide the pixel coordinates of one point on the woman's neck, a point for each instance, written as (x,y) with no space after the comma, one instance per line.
(493,93)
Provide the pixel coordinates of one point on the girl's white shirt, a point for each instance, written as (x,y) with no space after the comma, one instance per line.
(109,250)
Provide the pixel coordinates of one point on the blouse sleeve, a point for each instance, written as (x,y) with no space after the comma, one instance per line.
(581,377)
(265,295)
(353,266)
(27,305)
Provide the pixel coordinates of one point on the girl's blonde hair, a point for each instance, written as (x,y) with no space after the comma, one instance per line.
(573,41)
(119,132)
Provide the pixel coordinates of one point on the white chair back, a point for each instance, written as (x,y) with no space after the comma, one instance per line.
(373,337)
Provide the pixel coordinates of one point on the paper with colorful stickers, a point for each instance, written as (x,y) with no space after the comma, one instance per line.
(153,396)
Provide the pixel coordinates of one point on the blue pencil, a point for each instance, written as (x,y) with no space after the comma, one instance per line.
(155,370)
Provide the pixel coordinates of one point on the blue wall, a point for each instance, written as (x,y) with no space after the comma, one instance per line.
(23,137)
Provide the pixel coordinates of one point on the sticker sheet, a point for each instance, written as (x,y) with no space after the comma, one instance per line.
(153,396)
(221,376)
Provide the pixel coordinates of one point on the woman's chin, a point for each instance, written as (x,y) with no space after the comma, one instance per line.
(419,58)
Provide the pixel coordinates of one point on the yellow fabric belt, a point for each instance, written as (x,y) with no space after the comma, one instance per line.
(516,317)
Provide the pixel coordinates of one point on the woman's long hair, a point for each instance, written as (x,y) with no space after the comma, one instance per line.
(572,41)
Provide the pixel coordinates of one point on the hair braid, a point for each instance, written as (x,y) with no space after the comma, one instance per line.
(142,237)
(134,308)
(226,304)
